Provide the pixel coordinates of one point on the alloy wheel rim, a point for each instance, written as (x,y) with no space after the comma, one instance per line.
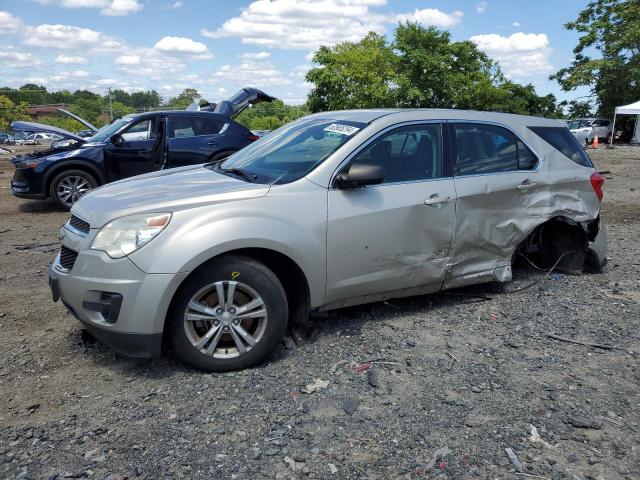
(71,188)
(225,319)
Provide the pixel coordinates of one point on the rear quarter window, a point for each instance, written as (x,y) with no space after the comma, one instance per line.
(563,140)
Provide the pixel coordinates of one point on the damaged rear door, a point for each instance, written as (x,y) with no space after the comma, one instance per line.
(500,198)
(397,235)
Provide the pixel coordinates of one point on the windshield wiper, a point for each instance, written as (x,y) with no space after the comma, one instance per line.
(249,177)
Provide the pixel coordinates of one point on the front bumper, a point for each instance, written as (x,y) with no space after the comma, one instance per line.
(119,304)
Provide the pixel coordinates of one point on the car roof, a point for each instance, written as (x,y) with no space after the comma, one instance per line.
(413,114)
(169,113)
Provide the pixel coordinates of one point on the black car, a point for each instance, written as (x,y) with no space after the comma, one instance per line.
(131,145)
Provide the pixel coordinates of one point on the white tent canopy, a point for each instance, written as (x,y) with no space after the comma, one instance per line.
(631,109)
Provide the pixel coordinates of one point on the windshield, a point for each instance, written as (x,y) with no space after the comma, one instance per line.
(105,132)
(573,124)
(292,151)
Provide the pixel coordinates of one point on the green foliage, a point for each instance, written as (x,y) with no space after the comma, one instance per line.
(270,115)
(577,109)
(612,29)
(183,100)
(65,122)
(421,68)
(10,111)
(353,75)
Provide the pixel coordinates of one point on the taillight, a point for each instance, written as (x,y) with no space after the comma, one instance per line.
(253,137)
(597,181)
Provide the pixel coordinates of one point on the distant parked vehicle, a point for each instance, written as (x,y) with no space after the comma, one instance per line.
(131,145)
(587,129)
(7,139)
(20,137)
(38,139)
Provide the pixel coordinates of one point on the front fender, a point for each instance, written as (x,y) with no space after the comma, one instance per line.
(294,227)
(80,163)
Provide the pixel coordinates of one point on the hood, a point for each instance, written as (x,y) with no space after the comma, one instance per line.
(79,119)
(20,126)
(164,191)
(234,105)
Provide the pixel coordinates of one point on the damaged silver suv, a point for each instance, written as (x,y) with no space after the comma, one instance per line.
(332,210)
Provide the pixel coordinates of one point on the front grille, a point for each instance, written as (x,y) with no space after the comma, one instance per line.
(79,224)
(67,258)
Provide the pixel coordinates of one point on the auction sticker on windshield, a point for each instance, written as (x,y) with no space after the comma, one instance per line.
(341,128)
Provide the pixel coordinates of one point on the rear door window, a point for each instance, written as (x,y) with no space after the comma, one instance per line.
(484,149)
(191,126)
(562,140)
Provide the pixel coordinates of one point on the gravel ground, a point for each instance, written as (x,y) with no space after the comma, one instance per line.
(436,386)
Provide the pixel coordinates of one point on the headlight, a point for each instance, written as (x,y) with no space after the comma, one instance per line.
(124,235)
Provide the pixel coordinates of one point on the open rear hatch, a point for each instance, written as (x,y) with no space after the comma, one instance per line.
(238,102)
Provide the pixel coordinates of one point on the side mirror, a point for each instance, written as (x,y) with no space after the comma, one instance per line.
(359,175)
(115,138)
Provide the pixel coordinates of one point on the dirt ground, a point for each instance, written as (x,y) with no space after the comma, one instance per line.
(435,386)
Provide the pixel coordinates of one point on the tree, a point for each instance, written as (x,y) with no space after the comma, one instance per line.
(612,29)
(576,109)
(183,100)
(422,68)
(353,75)
(10,111)
(145,100)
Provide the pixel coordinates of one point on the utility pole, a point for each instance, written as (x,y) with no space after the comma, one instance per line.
(110,106)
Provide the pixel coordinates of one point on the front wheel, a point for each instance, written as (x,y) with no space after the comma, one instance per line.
(68,186)
(230,314)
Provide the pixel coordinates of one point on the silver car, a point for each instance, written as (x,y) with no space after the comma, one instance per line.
(333,210)
(587,129)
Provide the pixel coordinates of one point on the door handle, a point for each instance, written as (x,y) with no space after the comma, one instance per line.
(526,185)
(436,199)
(213,142)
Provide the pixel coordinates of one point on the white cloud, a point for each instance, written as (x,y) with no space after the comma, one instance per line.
(11,59)
(520,54)
(107,7)
(256,56)
(258,74)
(481,7)
(183,46)
(302,24)
(127,60)
(177,4)
(67,37)
(431,16)
(515,24)
(9,24)
(71,59)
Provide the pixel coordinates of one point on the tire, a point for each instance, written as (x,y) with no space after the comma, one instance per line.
(74,182)
(199,341)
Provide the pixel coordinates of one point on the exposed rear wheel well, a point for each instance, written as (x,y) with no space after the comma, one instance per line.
(562,242)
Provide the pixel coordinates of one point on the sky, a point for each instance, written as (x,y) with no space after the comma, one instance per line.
(219,46)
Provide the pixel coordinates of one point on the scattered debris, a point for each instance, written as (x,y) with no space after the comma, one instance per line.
(438,455)
(537,440)
(362,367)
(332,469)
(350,405)
(451,355)
(514,459)
(295,466)
(579,342)
(319,384)
(372,378)
(583,422)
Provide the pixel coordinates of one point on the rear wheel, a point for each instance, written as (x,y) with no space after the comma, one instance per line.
(231,313)
(68,186)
